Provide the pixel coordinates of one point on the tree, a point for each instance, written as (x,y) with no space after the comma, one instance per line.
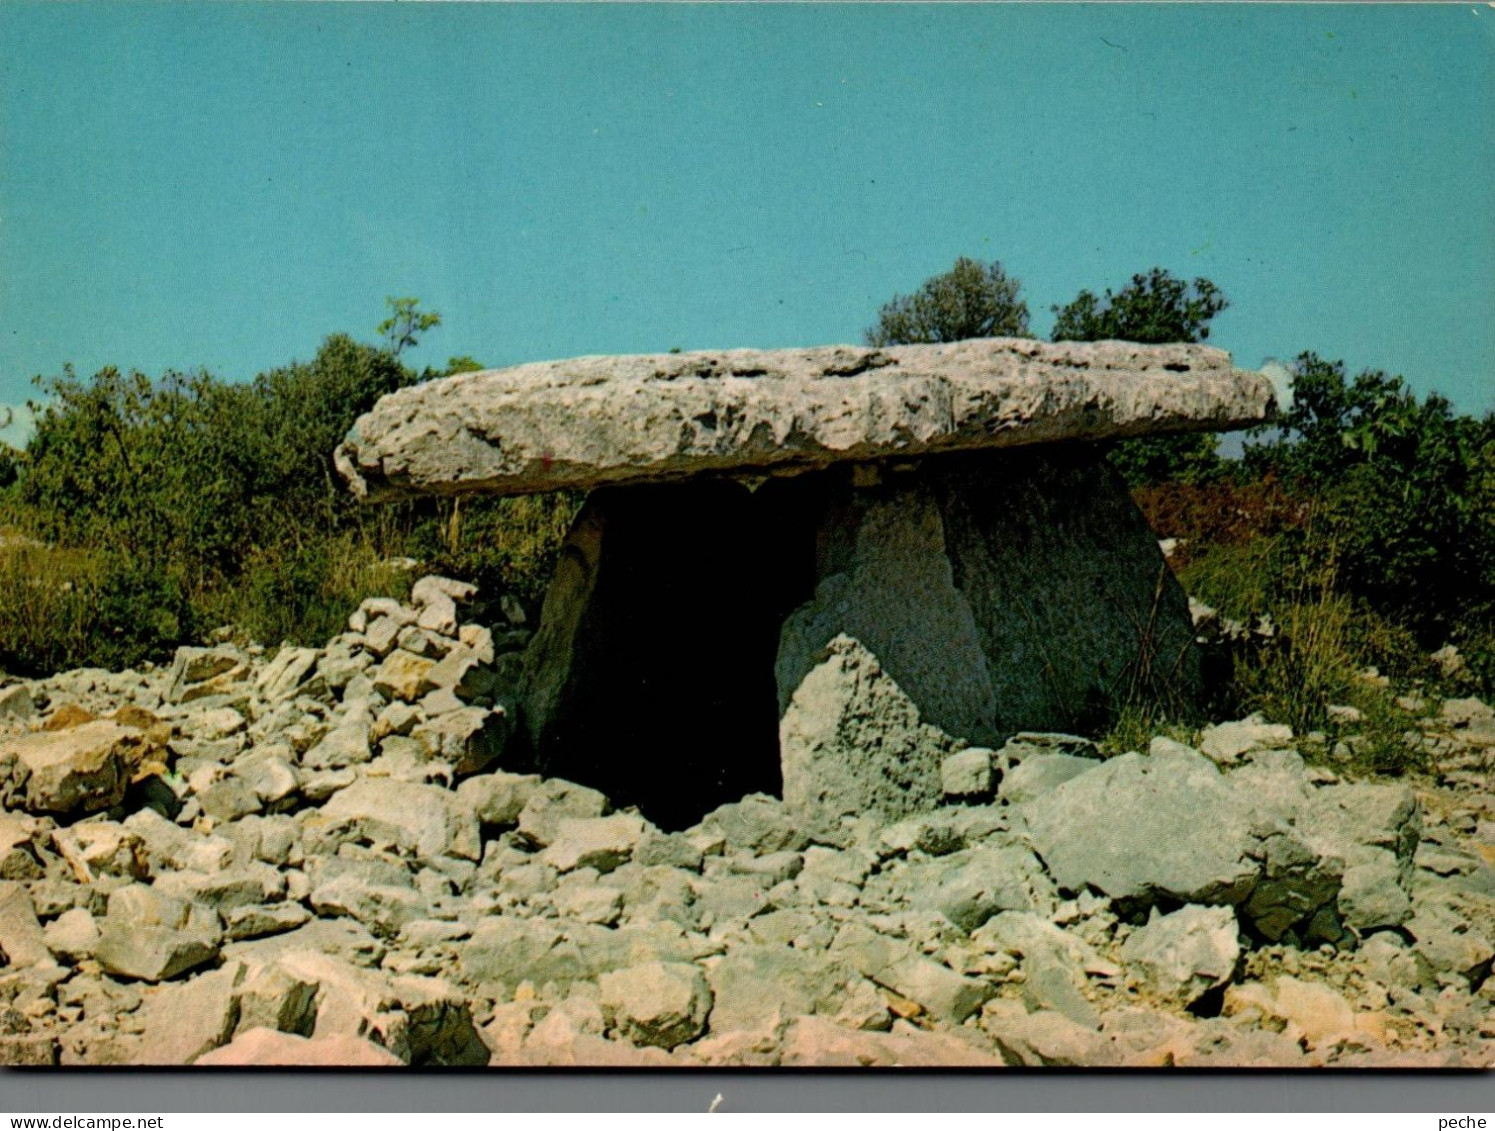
(1406,487)
(1154,309)
(968,301)
(406,323)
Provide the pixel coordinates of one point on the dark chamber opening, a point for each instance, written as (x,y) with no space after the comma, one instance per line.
(670,704)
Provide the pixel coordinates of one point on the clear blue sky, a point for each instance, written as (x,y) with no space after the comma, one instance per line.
(224,184)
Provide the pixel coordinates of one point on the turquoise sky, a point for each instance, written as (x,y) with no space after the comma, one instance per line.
(224,184)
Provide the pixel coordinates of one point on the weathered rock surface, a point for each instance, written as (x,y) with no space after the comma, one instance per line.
(1139,828)
(1003,592)
(84,767)
(265,1048)
(152,937)
(596,420)
(851,742)
(661,1004)
(1186,954)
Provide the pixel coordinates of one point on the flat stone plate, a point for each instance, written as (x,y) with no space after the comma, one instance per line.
(647,418)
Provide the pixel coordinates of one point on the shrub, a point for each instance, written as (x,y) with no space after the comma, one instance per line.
(65,608)
(1406,488)
(304,593)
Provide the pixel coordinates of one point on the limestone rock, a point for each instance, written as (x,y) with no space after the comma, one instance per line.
(497,798)
(758,824)
(970,886)
(1033,570)
(1044,1039)
(554,801)
(589,421)
(968,774)
(346,744)
(256,921)
(1182,956)
(264,1048)
(198,673)
(281,678)
(21,938)
(1139,828)
(273,998)
(72,936)
(185,1020)
(1450,944)
(1224,743)
(506,950)
(661,1004)
(852,742)
(151,936)
(169,847)
(85,767)
(757,987)
(18,848)
(469,738)
(103,848)
(1040,774)
(659,623)
(602,843)
(404,675)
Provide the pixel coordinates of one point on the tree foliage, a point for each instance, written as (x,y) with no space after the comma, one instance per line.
(406,323)
(1154,308)
(971,300)
(1406,487)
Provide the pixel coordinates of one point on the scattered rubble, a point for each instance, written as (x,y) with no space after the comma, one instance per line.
(307,857)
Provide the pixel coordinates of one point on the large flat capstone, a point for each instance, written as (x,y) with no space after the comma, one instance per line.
(592,421)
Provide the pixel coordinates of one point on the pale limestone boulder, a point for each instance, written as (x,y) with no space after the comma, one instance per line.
(263,1048)
(1183,956)
(185,1020)
(663,1004)
(419,819)
(72,936)
(1003,591)
(404,675)
(16,705)
(85,767)
(851,742)
(969,774)
(21,938)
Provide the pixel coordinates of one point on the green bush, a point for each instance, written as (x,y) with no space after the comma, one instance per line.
(1406,490)
(166,508)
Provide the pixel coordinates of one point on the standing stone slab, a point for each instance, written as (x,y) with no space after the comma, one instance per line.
(1003,591)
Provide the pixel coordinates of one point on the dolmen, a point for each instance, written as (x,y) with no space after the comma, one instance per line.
(819,572)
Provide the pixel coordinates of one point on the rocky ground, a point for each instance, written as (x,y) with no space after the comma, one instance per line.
(303,857)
